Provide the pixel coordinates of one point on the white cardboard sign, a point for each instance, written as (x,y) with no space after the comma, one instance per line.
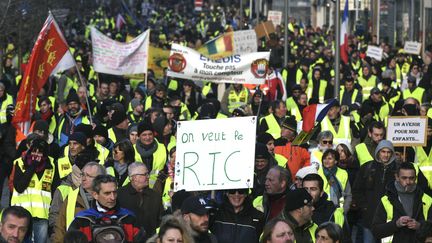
(187,63)
(275,17)
(407,130)
(412,47)
(374,52)
(245,41)
(216,154)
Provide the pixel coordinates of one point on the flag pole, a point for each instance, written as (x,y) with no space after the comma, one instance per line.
(87,93)
(337,50)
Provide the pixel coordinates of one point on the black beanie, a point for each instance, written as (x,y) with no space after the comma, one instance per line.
(144,126)
(101,131)
(72,97)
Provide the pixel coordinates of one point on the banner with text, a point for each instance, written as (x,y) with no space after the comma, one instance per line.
(275,17)
(407,130)
(113,57)
(217,154)
(374,52)
(412,47)
(187,63)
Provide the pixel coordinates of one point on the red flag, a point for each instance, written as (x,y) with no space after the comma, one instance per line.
(49,51)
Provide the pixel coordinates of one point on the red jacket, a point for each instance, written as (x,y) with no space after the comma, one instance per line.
(297,157)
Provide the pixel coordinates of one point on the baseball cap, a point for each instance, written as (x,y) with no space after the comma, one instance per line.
(196,205)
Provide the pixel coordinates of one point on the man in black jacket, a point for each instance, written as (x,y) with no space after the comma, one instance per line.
(140,199)
(237,220)
(403,208)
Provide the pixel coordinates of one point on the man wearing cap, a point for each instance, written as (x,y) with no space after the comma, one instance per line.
(298,211)
(136,115)
(100,135)
(195,213)
(77,143)
(149,151)
(158,99)
(367,81)
(414,91)
(272,122)
(381,108)
(70,119)
(119,123)
(297,157)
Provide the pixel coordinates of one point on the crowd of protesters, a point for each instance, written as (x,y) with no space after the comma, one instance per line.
(99,161)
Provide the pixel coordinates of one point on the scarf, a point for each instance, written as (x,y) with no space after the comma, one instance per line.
(40,166)
(146,153)
(120,168)
(47,115)
(330,174)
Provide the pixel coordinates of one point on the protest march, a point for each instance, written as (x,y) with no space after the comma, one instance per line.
(204,121)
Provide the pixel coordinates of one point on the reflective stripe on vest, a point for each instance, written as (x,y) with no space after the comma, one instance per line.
(5,103)
(343,133)
(363,154)
(367,85)
(70,207)
(236,100)
(36,198)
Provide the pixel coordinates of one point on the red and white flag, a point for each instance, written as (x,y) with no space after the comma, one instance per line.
(50,55)
(120,22)
(198,5)
(344,35)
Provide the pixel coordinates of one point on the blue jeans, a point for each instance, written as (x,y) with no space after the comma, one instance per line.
(361,234)
(40,230)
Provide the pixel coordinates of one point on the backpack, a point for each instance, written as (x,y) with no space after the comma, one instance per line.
(108,230)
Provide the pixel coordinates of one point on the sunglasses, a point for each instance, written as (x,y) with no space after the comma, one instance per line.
(326,142)
(239,191)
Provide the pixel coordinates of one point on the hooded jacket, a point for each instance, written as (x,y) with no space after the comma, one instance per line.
(370,183)
(244,226)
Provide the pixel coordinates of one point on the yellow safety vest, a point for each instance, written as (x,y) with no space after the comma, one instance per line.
(342,177)
(343,133)
(273,126)
(64,191)
(70,207)
(64,167)
(353,97)
(363,154)
(367,85)
(321,91)
(296,113)
(36,198)
(166,199)
(84,120)
(388,207)
(5,103)
(281,160)
(290,103)
(258,203)
(236,100)
(159,160)
(416,94)
(299,75)
(339,217)
(425,163)
(383,113)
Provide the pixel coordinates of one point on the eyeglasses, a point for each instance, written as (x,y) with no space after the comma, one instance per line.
(239,191)
(87,175)
(327,142)
(144,174)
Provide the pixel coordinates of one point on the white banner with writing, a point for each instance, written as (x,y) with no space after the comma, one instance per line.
(113,57)
(216,154)
(245,41)
(374,52)
(275,17)
(412,47)
(407,130)
(187,63)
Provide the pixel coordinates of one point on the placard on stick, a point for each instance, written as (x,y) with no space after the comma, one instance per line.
(216,154)
(407,130)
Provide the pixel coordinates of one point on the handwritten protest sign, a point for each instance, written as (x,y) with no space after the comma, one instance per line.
(245,41)
(374,52)
(407,130)
(215,154)
(275,17)
(412,47)
(113,57)
(188,63)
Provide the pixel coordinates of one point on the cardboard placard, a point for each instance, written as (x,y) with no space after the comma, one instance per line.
(407,130)
(264,29)
(412,47)
(374,52)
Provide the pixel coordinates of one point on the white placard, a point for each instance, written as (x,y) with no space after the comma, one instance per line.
(215,154)
(245,41)
(113,57)
(187,63)
(275,17)
(412,47)
(407,130)
(374,52)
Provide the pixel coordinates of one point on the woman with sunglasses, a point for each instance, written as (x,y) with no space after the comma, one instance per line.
(237,220)
(336,183)
(123,156)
